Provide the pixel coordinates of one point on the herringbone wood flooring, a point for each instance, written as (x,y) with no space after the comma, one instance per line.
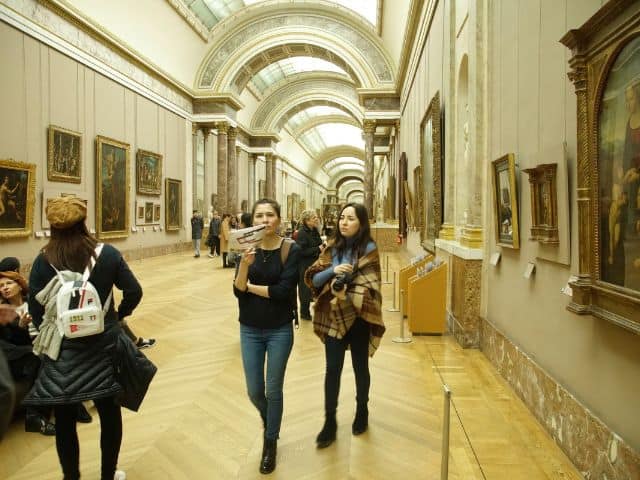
(197,423)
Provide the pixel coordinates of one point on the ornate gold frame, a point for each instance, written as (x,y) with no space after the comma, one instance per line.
(60,177)
(506,162)
(157,189)
(544,203)
(172,227)
(123,233)
(433,210)
(595,47)
(30,168)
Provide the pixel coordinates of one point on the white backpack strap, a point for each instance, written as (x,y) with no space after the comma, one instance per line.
(92,262)
(105,309)
(58,274)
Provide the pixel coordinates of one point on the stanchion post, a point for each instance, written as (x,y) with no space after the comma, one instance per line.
(401,338)
(387,282)
(444,466)
(394,309)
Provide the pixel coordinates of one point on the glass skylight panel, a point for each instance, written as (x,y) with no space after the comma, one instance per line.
(276,71)
(313,141)
(305,115)
(335,134)
(330,165)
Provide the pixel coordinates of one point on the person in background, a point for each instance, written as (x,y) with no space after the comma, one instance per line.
(224,238)
(197,225)
(78,369)
(214,234)
(263,286)
(245,220)
(346,281)
(311,246)
(7,388)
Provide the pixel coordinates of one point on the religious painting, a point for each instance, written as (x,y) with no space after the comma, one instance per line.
(505,203)
(64,155)
(148,212)
(48,195)
(112,188)
(173,204)
(17,198)
(605,68)
(156,212)
(430,196)
(148,172)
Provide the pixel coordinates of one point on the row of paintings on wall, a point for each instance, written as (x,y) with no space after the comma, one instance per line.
(112,207)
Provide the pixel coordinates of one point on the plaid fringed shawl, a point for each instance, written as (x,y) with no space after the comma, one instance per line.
(334,317)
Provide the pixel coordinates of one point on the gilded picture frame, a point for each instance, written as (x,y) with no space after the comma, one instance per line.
(113,180)
(148,173)
(432,172)
(173,204)
(64,155)
(17,198)
(505,201)
(605,69)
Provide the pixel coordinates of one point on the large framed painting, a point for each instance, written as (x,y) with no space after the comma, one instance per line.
(432,175)
(505,201)
(17,198)
(112,188)
(173,204)
(64,155)
(418,188)
(148,173)
(605,69)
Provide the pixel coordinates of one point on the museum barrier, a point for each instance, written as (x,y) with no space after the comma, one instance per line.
(427,300)
(403,280)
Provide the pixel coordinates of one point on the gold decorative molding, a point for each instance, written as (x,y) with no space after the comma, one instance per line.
(471,236)
(447,232)
(544,203)
(223,128)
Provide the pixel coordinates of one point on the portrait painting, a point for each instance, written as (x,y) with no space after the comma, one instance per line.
(156,212)
(112,188)
(619,170)
(505,201)
(148,173)
(173,204)
(17,198)
(64,155)
(429,199)
(148,212)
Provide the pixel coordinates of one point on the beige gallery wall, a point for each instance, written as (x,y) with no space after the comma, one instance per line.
(531,112)
(41,87)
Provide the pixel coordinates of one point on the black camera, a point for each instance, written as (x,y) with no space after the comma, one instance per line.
(342,279)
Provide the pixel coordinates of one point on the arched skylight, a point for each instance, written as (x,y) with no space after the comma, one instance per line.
(210,12)
(276,71)
(343,163)
(305,115)
(331,135)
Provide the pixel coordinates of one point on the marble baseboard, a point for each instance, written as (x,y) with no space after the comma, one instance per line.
(596,451)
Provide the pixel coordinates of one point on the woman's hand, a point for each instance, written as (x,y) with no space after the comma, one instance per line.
(343,268)
(7,313)
(248,257)
(25,319)
(322,247)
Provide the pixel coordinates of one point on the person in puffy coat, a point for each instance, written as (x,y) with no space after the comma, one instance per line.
(311,246)
(84,367)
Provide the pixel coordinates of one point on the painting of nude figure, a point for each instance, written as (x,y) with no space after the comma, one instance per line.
(17,198)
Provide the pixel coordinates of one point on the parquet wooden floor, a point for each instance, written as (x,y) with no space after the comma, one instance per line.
(197,422)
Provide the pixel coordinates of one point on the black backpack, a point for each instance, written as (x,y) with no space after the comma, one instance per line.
(284,254)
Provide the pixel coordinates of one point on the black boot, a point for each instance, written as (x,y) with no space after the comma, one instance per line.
(269,450)
(361,421)
(34,422)
(328,433)
(224,260)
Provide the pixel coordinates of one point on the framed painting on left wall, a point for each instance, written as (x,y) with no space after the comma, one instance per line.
(112,188)
(17,198)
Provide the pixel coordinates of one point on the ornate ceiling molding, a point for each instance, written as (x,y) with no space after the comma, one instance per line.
(269,24)
(340,151)
(333,181)
(273,110)
(321,120)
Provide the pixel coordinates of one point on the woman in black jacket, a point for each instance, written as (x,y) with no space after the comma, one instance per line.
(83,369)
(311,247)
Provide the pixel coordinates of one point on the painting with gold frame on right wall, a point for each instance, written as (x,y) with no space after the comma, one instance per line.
(505,201)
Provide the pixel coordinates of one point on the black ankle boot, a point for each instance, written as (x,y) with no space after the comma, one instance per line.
(37,423)
(328,433)
(269,450)
(361,421)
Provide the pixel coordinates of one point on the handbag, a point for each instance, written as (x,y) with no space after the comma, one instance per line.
(134,372)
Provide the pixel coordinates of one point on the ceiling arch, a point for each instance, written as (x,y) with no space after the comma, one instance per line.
(346,179)
(310,103)
(315,121)
(333,181)
(343,163)
(274,54)
(305,88)
(339,151)
(358,192)
(269,24)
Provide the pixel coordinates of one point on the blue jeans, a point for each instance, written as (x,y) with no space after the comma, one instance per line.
(196,246)
(276,343)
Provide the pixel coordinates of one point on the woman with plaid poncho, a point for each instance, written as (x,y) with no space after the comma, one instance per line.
(345,282)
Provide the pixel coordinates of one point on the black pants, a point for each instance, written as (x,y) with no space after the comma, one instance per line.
(215,245)
(110,437)
(304,294)
(357,338)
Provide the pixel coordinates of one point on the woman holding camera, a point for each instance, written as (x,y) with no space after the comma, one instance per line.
(311,247)
(346,281)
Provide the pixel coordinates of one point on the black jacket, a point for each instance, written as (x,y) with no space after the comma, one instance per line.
(84,369)
(308,240)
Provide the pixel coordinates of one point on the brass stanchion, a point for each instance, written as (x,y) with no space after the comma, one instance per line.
(444,466)
(394,309)
(401,338)
(387,282)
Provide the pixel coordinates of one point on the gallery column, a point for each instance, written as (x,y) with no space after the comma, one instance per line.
(253,158)
(369,130)
(268,176)
(223,127)
(232,172)
(274,178)
(194,155)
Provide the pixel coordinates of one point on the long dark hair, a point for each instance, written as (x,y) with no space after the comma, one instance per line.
(361,239)
(70,248)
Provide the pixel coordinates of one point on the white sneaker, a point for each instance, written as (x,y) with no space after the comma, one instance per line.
(120,475)
(209,255)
